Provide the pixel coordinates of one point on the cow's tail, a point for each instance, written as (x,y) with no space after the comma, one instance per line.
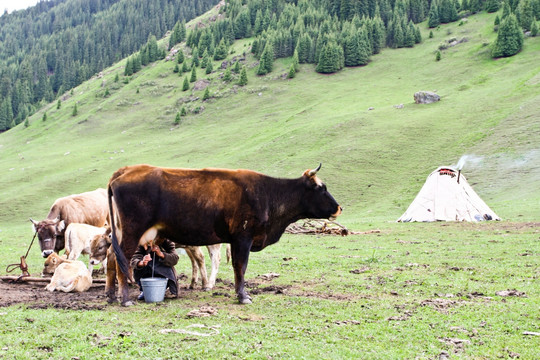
(121,260)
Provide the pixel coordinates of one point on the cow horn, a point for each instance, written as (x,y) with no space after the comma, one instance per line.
(33,221)
(313,172)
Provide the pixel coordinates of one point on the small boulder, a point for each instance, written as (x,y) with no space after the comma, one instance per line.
(426,97)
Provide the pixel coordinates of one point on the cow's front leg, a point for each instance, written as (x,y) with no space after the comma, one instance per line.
(240,256)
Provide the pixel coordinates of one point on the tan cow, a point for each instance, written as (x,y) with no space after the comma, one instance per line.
(70,275)
(86,208)
(51,263)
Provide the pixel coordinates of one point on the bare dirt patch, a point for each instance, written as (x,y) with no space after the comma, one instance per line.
(35,296)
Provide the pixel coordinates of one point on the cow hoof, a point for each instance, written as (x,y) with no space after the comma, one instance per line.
(245,301)
(207,289)
(128,303)
(111,301)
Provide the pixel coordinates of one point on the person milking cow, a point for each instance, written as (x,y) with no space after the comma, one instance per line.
(157,261)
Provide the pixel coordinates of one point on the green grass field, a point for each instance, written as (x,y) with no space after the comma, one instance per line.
(420,290)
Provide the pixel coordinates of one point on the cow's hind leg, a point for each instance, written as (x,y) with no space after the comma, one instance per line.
(240,256)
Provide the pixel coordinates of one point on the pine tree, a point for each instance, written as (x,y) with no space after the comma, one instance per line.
(177,119)
(206,95)
(26,123)
(228,75)
(497,21)
(58,104)
(417,36)
(292,72)
(509,38)
(236,68)
(221,51)
(195,58)
(506,10)
(295,61)
(185,68)
(534,29)
(243,77)
(176,68)
(75,111)
(183,112)
(209,67)
(180,57)
(492,6)
(266,62)
(330,59)
(204,60)
(438,55)
(193,75)
(525,14)
(128,70)
(44,117)
(137,64)
(433,17)
(185,86)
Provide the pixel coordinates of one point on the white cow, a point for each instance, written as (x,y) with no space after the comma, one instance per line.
(78,240)
(71,275)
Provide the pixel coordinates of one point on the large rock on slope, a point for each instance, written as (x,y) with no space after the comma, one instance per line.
(426,97)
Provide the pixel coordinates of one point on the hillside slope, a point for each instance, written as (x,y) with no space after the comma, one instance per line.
(374,161)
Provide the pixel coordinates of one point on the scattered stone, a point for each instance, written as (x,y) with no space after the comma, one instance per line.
(400,106)
(444,355)
(204,311)
(201,84)
(359,271)
(269,276)
(426,97)
(371,108)
(531,333)
(514,292)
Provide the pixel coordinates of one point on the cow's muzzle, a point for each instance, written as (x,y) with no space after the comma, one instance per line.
(46,253)
(336,214)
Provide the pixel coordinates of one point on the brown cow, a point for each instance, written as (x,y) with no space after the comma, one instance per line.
(244,208)
(86,208)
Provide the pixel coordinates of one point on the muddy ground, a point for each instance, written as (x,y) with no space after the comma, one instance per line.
(34,296)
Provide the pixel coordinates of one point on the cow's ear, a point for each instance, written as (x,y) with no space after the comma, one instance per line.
(61,226)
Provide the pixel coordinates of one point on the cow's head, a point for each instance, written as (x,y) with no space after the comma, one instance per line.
(47,232)
(51,263)
(99,246)
(317,202)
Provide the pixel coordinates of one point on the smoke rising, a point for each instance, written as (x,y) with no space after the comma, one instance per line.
(470,160)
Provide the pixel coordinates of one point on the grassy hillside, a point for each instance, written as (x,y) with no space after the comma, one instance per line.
(374,161)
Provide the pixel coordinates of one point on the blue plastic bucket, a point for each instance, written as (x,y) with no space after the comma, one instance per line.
(154,289)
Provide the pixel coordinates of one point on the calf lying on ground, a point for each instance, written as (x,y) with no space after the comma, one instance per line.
(51,263)
(71,275)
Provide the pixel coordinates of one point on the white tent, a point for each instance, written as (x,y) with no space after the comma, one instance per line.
(447,196)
